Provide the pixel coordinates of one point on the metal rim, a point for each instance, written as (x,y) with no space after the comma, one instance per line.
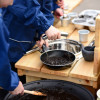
(57,65)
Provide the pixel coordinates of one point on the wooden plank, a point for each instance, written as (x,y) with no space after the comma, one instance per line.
(75,36)
(31,78)
(69,29)
(83,70)
(96,69)
(72,4)
(30,62)
(50,76)
(97,32)
(60,72)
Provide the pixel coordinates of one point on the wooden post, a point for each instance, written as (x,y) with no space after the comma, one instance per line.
(97,47)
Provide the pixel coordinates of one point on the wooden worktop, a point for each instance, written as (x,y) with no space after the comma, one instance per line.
(80,69)
(30,62)
(71,4)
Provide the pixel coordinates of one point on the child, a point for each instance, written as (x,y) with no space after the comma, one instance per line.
(8,79)
(58,6)
(24,19)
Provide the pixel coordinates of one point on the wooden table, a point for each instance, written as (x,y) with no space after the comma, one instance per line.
(81,72)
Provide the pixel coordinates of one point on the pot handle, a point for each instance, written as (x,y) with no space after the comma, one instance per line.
(64,34)
(44,37)
(33,50)
(44,48)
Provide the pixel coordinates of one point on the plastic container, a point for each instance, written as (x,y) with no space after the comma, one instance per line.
(83,35)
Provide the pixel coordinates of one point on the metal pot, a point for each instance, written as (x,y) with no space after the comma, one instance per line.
(65,21)
(58,48)
(55,59)
(54,87)
(72,46)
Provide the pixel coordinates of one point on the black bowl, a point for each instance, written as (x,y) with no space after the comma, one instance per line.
(88,53)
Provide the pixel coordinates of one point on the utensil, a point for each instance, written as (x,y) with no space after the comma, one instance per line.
(72,15)
(52,88)
(49,54)
(65,21)
(31,51)
(66,44)
(57,58)
(61,44)
(34,93)
(44,37)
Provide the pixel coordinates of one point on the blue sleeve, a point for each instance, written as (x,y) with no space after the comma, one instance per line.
(35,16)
(30,11)
(55,6)
(8,79)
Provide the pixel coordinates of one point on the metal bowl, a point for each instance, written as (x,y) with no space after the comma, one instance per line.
(65,21)
(65,44)
(72,15)
(90,13)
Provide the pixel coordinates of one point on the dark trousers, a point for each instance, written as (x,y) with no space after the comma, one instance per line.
(22,78)
(3,94)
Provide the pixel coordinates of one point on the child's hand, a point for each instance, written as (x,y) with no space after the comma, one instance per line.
(19,89)
(53,33)
(58,12)
(60,3)
(41,42)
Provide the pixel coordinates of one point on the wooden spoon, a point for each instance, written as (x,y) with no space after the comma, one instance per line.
(34,93)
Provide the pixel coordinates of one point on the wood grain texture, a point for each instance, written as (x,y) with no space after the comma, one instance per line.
(97,47)
(81,73)
(64,72)
(83,70)
(31,75)
(72,4)
(59,72)
(30,62)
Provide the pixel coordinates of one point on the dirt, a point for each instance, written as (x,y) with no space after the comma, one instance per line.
(55,94)
(57,60)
